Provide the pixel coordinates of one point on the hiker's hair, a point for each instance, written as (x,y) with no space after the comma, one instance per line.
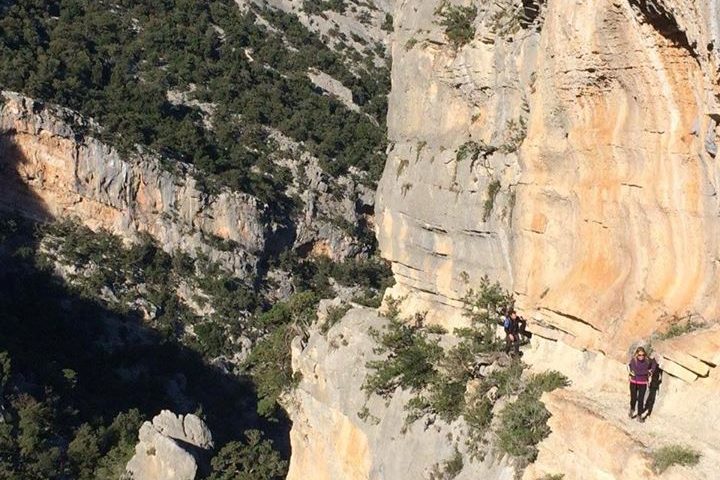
(640,349)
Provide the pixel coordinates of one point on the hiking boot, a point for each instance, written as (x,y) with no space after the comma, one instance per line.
(641,419)
(631,413)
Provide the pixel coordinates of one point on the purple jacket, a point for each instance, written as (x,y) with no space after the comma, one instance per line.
(640,370)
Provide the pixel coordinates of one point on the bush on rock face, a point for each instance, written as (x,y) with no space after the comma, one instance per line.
(458,22)
(669,455)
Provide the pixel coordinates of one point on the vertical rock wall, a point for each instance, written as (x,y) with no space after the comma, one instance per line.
(591,183)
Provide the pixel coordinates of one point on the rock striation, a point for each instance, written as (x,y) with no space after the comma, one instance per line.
(170,447)
(569,154)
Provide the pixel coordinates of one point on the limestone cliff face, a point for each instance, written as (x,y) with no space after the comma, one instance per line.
(48,168)
(338,434)
(567,151)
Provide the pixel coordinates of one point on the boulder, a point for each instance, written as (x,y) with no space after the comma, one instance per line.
(170,447)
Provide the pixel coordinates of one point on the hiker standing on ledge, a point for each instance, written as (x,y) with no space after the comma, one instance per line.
(640,370)
(511,324)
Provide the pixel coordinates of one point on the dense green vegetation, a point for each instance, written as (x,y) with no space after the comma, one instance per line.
(142,277)
(79,373)
(669,455)
(250,460)
(315,7)
(117,61)
(459,22)
(84,360)
(467,379)
(524,422)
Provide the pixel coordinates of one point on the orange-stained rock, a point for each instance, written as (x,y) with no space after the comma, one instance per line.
(600,128)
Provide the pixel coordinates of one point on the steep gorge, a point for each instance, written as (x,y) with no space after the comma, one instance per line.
(568,150)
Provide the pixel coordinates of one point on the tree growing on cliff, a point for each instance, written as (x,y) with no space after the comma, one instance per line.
(466,379)
(459,22)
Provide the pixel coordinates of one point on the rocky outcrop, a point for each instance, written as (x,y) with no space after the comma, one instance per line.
(568,154)
(335,210)
(339,434)
(591,434)
(170,448)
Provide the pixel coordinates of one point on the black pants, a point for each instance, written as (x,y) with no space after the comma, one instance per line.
(637,395)
(512,344)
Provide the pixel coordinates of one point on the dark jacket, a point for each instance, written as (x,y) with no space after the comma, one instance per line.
(640,371)
(511,326)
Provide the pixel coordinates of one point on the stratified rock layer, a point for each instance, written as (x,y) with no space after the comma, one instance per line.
(593,192)
(49,169)
(569,152)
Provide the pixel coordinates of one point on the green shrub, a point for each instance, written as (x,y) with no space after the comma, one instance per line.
(269,362)
(440,378)
(669,455)
(523,423)
(508,380)
(678,328)
(473,150)
(334,315)
(450,469)
(317,7)
(478,415)
(270,366)
(253,459)
(458,22)
(211,339)
(445,397)
(411,358)
(546,382)
(387,23)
